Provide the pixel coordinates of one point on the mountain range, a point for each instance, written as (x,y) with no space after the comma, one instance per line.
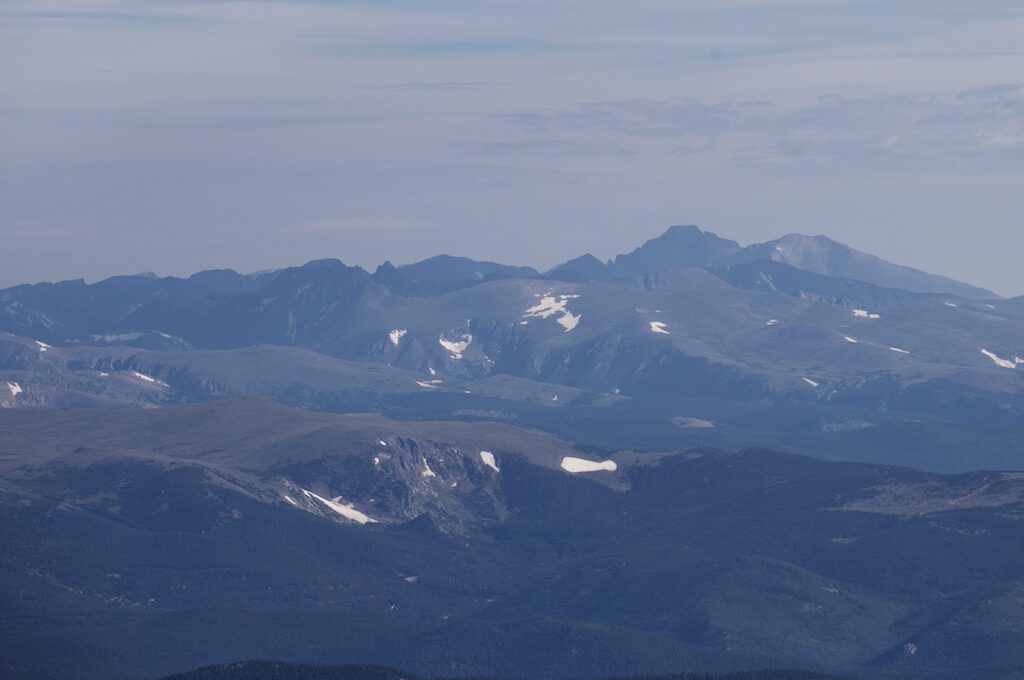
(783,348)
(695,457)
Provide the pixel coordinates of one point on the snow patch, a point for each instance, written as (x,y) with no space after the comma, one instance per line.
(346,511)
(396,335)
(851,340)
(999,361)
(659,327)
(147,378)
(811,382)
(427,472)
(426,385)
(488,458)
(771,322)
(865,314)
(15,388)
(569,321)
(120,337)
(42,346)
(898,350)
(576,465)
(950,304)
(550,305)
(457,346)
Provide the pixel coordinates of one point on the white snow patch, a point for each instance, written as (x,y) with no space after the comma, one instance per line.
(950,304)
(103,374)
(569,321)
(396,335)
(427,472)
(488,458)
(810,382)
(990,306)
(898,350)
(575,465)
(851,340)
(426,385)
(346,511)
(431,371)
(550,304)
(42,346)
(865,314)
(554,398)
(289,499)
(15,388)
(771,322)
(457,346)
(147,378)
(659,327)
(999,361)
(382,442)
(523,323)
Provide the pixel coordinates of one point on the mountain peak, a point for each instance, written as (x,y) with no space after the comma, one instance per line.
(679,247)
(689,230)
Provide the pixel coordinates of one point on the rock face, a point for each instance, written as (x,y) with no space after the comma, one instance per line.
(401,478)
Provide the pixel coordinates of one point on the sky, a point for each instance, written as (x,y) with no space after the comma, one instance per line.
(174,136)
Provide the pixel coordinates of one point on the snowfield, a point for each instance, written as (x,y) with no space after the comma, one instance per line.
(1005,363)
(550,305)
(576,465)
(346,511)
(659,327)
(488,458)
(457,346)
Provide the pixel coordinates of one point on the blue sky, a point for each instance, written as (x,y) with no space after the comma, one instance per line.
(176,136)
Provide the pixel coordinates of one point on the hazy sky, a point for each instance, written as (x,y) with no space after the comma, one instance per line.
(175,136)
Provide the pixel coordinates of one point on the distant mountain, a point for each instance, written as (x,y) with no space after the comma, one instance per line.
(443,274)
(822,255)
(147,542)
(680,246)
(583,268)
